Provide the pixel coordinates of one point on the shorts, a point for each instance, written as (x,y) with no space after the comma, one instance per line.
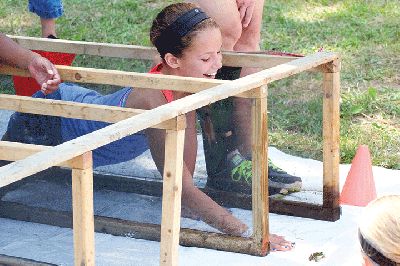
(46,9)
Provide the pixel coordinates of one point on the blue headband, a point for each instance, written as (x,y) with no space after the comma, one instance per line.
(171,38)
(186,22)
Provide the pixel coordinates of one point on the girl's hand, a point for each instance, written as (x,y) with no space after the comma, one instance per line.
(279,243)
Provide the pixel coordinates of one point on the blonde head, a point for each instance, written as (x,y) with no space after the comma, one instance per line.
(380,226)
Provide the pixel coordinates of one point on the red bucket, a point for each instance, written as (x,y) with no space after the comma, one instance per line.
(27,86)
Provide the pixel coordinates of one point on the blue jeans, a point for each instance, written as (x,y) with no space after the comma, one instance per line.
(46,8)
(52,130)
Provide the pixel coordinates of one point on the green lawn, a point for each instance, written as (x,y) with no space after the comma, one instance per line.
(366,33)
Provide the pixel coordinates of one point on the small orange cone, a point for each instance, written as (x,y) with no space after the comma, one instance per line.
(359,188)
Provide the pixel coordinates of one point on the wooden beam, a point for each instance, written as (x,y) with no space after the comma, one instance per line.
(260,171)
(126,79)
(224,198)
(129,79)
(86,48)
(256,59)
(14,151)
(171,197)
(15,261)
(63,152)
(82,211)
(331,137)
(259,60)
(114,226)
(110,114)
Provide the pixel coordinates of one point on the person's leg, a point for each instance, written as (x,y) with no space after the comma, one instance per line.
(226,14)
(33,128)
(215,119)
(48,11)
(249,41)
(48,27)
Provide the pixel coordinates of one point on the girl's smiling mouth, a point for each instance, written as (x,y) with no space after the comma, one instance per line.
(210,76)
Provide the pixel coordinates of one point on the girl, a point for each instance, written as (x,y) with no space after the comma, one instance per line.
(189,43)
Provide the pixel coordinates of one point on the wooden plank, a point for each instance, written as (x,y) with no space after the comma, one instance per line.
(256,60)
(126,79)
(153,187)
(17,261)
(83,214)
(14,151)
(63,152)
(110,114)
(129,79)
(259,60)
(118,227)
(171,197)
(86,48)
(260,172)
(331,136)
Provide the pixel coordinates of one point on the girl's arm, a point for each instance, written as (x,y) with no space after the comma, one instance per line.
(192,197)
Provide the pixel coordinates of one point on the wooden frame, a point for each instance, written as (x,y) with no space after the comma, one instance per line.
(82,195)
(170,117)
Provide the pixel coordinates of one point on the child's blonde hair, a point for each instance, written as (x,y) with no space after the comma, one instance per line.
(380,227)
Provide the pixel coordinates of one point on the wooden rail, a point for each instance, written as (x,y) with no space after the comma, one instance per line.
(140,52)
(66,109)
(82,196)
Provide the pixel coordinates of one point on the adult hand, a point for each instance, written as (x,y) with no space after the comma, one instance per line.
(45,74)
(246,8)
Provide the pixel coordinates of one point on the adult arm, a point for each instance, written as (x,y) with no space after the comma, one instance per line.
(41,69)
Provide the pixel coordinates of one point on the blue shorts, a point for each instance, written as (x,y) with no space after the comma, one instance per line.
(46,9)
(50,130)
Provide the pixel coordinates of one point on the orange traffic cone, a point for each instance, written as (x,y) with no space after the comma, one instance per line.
(359,188)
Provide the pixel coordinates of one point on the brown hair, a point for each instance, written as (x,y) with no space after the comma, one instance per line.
(164,19)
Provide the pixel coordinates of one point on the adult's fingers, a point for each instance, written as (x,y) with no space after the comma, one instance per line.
(53,79)
(44,88)
(248,15)
(242,11)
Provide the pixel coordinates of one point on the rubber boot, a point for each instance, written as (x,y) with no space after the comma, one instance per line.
(216,123)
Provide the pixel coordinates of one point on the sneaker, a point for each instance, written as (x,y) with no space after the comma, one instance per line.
(239,169)
(279,179)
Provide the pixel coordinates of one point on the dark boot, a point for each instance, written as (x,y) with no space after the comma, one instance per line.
(216,124)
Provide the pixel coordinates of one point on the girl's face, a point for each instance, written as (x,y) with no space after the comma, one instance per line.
(203,58)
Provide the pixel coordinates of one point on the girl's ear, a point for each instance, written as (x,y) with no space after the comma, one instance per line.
(171,60)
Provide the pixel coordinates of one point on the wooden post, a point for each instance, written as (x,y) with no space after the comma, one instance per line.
(82,208)
(172,191)
(260,202)
(331,86)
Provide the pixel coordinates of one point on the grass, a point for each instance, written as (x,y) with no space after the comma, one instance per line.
(366,34)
